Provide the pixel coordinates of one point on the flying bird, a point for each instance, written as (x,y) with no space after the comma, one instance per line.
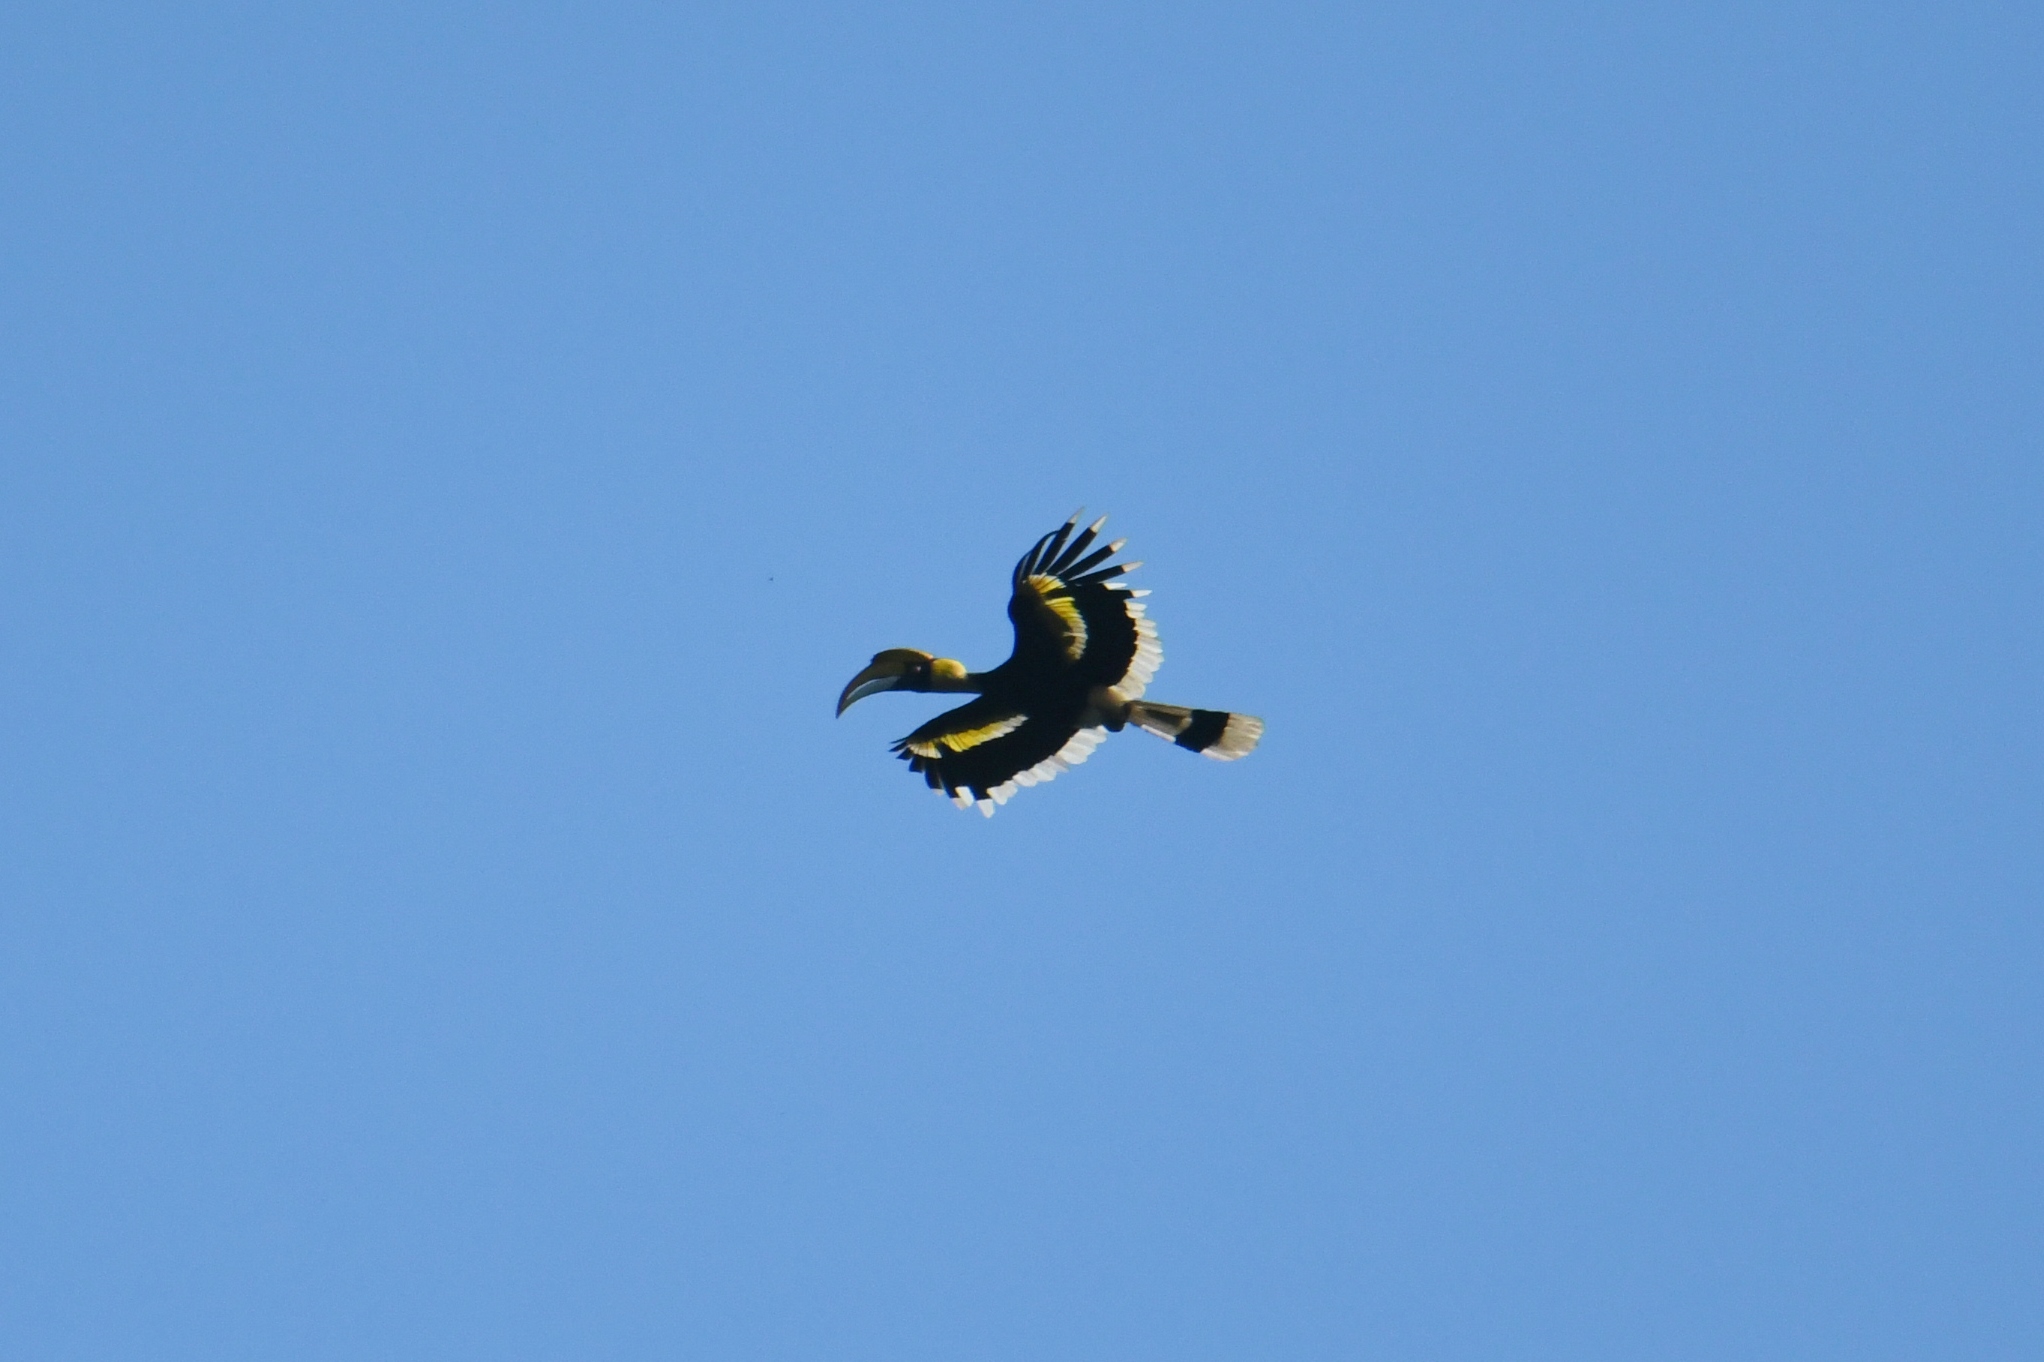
(1084,652)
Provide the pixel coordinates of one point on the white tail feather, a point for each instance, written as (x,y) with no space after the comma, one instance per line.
(1237,736)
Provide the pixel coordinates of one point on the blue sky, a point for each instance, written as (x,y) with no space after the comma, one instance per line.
(454,455)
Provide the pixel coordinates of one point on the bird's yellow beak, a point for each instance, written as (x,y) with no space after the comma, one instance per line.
(887,671)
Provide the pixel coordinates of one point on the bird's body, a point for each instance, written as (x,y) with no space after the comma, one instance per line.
(1085,650)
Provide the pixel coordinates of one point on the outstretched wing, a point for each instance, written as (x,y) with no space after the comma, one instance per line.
(982,752)
(1072,618)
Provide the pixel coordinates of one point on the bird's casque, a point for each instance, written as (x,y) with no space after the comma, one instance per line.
(1085,650)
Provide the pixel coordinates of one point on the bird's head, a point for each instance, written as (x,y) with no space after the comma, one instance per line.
(902,669)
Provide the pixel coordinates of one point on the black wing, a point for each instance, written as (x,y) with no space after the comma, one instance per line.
(1072,619)
(982,752)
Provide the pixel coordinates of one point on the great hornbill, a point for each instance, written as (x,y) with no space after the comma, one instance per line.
(1084,651)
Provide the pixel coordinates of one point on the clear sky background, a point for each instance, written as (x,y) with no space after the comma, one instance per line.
(451,457)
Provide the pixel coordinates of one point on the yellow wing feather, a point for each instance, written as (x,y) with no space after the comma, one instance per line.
(968,737)
(1054,595)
